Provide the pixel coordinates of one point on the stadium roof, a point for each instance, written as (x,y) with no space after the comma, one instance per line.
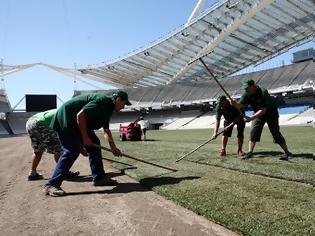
(9,69)
(231,36)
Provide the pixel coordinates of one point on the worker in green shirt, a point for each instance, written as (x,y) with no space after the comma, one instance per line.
(75,122)
(43,139)
(231,117)
(265,111)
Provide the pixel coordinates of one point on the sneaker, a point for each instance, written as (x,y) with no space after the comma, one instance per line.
(240,153)
(247,156)
(287,156)
(54,191)
(222,153)
(105,182)
(71,174)
(35,176)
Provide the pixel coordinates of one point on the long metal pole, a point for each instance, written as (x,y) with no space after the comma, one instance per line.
(137,159)
(119,162)
(220,85)
(201,145)
(215,78)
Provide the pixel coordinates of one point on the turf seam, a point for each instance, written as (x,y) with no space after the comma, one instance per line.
(307,183)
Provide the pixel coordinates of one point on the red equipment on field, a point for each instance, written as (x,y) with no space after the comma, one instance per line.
(131,132)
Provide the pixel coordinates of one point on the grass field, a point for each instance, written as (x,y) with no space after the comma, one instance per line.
(260,196)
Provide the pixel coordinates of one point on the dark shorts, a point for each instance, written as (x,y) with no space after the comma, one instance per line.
(240,129)
(42,138)
(273,124)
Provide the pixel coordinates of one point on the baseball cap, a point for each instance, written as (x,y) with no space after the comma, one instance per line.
(221,98)
(247,83)
(123,94)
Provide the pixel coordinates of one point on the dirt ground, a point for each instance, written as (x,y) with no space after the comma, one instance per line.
(127,209)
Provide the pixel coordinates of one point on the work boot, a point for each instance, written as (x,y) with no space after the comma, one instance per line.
(54,191)
(240,153)
(34,176)
(222,153)
(287,156)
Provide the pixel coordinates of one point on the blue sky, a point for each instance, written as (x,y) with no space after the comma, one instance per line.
(81,32)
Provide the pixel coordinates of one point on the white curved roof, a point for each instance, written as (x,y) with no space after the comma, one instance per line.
(232,35)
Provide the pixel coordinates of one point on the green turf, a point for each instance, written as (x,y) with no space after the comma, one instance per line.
(260,196)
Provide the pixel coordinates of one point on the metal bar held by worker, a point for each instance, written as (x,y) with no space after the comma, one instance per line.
(201,145)
(220,85)
(137,159)
(119,162)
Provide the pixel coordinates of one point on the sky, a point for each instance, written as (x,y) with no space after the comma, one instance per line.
(77,33)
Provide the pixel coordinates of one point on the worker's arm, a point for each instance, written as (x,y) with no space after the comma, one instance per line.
(257,114)
(230,126)
(81,120)
(108,135)
(216,128)
(237,105)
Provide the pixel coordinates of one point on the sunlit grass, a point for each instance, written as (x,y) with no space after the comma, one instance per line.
(260,196)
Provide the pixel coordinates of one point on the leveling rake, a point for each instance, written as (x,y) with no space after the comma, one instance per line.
(137,159)
(201,145)
(226,93)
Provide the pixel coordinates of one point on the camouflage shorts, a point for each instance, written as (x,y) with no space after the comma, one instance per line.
(42,138)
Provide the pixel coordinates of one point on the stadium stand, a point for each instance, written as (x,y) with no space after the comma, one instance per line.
(180,92)
(205,121)
(4,102)
(180,105)
(289,74)
(292,77)
(5,108)
(182,120)
(166,95)
(307,74)
(303,117)
(294,109)
(270,77)
(2,129)
(17,121)
(195,94)
(136,94)
(149,97)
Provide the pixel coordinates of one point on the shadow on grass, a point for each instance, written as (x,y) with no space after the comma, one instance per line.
(149,140)
(149,183)
(152,182)
(120,188)
(264,154)
(304,155)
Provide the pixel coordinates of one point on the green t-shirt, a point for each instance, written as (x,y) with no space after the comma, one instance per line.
(259,100)
(97,107)
(45,117)
(229,114)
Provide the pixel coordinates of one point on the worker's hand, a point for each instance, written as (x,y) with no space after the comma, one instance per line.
(116,152)
(230,126)
(248,118)
(83,151)
(233,103)
(214,136)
